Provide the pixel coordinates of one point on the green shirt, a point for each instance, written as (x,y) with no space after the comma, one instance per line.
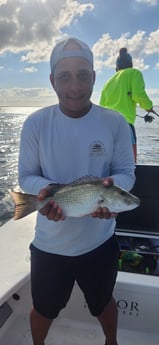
(124,91)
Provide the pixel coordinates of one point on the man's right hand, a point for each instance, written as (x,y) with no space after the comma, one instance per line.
(51,210)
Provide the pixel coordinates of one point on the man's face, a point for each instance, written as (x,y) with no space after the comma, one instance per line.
(73,82)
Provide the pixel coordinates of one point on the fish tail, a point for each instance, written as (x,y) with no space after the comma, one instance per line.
(24,204)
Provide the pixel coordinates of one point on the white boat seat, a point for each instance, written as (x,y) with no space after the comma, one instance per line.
(15,255)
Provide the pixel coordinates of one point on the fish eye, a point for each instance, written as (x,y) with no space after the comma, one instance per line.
(100,201)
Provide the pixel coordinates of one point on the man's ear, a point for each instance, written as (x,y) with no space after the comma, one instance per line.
(94,77)
(52,80)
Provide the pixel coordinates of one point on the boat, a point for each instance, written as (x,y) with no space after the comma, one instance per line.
(136,290)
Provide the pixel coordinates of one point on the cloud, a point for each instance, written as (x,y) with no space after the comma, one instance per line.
(152,44)
(29,29)
(154,95)
(33,27)
(139,45)
(30,69)
(2,2)
(27,96)
(148,2)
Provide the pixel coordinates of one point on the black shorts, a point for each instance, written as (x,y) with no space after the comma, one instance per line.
(53,277)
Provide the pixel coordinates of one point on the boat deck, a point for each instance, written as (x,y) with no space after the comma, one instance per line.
(70,332)
(74,326)
(79,334)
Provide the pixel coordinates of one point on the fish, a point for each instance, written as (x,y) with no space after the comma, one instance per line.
(78,199)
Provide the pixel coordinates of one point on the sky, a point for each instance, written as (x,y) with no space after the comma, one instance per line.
(30,28)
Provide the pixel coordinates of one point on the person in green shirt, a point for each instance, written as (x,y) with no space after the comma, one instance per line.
(124,91)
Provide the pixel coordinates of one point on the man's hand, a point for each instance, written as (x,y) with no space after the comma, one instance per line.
(51,209)
(103,212)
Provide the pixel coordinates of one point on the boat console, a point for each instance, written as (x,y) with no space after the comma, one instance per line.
(137,287)
(138,230)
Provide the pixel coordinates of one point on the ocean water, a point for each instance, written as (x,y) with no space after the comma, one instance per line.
(11,121)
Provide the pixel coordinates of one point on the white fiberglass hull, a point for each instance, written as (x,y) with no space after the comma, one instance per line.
(137,298)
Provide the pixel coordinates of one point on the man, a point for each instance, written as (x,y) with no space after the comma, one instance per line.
(124,90)
(60,144)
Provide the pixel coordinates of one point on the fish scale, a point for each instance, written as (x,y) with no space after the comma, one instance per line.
(77,194)
(77,201)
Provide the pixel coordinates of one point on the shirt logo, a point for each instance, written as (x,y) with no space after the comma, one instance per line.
(97,149)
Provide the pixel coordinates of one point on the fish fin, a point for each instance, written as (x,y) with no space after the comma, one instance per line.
(85,179)
(24,204)
(55,187)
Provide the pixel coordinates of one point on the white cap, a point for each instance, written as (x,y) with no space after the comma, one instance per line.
(78,49)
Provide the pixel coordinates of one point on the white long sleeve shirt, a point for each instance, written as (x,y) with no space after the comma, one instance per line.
(60,149)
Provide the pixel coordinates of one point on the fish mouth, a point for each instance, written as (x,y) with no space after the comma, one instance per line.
(138,201)
(132,204)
